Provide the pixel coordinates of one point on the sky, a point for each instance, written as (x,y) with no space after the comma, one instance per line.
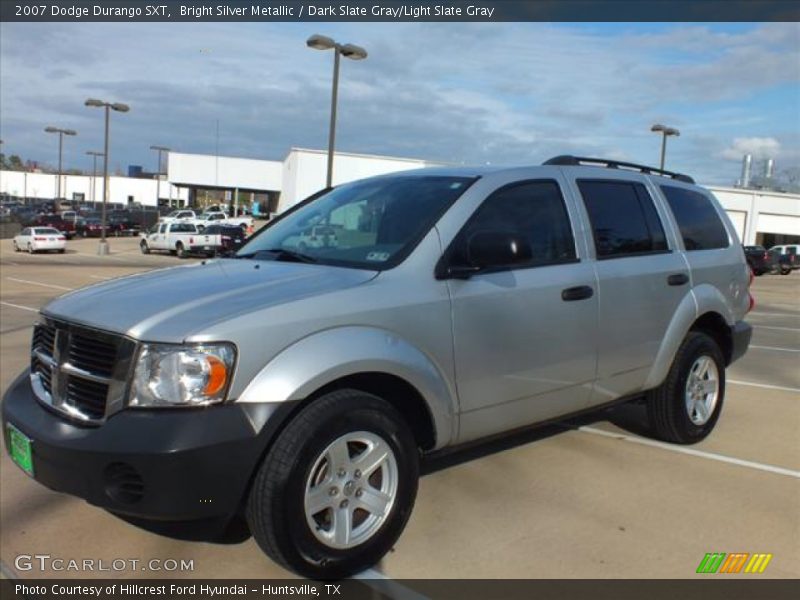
(461,93)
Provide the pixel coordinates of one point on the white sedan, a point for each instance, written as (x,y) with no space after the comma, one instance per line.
(36,239)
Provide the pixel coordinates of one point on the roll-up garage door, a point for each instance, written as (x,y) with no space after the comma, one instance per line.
(738,218)
(784,224)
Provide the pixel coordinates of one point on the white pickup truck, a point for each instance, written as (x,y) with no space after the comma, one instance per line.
(175,238)
(220,218)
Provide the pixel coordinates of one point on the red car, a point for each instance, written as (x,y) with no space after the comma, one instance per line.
(66,227)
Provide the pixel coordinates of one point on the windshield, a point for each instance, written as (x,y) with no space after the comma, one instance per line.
(372,224)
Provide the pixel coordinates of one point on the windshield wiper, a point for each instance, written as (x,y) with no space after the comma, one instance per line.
(280,254)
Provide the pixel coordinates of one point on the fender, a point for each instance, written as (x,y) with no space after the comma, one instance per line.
(321,358)
(702,299)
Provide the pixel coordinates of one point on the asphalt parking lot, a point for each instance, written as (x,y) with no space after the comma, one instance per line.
(590,499)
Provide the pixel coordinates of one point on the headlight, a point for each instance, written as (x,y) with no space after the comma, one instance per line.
(173,375)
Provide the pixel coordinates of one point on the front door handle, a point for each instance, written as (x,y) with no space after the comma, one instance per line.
(581,292)
(678,279)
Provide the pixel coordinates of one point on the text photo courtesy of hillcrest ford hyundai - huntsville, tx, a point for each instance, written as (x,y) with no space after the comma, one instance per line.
(443,300)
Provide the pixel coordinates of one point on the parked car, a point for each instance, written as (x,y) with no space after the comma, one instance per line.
(39,239)
(123,223)
(759,260)
(89,227)
(791,252)
(172,237)
(214,240)
(57,222)
(783,262)
(320,236)
(301,388)
(179,215)
(207,218)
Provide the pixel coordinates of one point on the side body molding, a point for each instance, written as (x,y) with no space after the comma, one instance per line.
(702,299)
(321,358)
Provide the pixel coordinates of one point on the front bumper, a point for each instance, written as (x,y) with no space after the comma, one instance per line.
(162,464)
(741,333)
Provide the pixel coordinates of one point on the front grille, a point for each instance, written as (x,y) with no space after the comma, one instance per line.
(73,368)
(91,354)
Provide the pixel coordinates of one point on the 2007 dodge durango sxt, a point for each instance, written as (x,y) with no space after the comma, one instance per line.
(437,307)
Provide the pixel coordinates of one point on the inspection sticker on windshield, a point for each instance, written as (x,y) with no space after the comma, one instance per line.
(378,256)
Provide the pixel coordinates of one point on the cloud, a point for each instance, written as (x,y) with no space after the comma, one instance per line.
(759,147)
(503,93)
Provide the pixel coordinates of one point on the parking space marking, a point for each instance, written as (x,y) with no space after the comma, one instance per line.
(47,285)
(386,585)
(19,306)
(775,348)
(764,385)
(777,328)
(692,452)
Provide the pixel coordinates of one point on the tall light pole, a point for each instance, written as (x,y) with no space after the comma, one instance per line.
(159,149)
(109,106)
(61,133)
(351,51)
(94,156)
(665,133)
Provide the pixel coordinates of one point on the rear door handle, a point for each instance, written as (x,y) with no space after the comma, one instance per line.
(581,292)
(678,279)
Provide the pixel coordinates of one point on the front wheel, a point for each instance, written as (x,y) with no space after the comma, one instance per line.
(786,270)
(144,247)
(16,247)
(30,248)
(336,489)
(686,407)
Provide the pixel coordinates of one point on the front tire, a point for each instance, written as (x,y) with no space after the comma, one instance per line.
(686,407)
(144,247)
(336,489)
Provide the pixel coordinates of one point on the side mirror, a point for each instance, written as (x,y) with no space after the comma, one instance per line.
(497,249)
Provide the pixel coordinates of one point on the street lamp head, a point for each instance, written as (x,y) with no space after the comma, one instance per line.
(51,129)
(93,153)
(120,107)
(665,130)
(657,127)
(672,131)
(162,148)
(70,132)
(353,52)
(320,42)
(94,102)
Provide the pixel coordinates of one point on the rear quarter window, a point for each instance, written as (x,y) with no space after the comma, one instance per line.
(698,221)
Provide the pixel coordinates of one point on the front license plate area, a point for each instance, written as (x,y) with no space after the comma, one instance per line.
(20,449)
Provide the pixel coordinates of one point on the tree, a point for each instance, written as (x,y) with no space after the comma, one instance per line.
(15,163)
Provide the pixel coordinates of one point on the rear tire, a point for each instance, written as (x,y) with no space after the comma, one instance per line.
(30,248)
(785,270)
(180,251)
(305,508)
(686,407)
(16,248)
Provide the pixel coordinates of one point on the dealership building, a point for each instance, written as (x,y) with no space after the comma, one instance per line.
(272,186)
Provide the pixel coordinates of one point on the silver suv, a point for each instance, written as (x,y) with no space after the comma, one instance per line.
(301,388)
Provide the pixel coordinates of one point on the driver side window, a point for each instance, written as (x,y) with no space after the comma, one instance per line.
(532,212)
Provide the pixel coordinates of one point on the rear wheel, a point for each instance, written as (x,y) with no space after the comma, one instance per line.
(30,248)
(180,250)
(785,270)
(685,408)
(16,247)
(144,247)
(336,489)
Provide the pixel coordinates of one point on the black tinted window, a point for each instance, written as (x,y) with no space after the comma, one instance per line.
(533,211)
(698,221)
(624,220)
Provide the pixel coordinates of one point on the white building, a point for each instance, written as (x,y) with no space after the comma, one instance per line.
(760,217)
(85,188)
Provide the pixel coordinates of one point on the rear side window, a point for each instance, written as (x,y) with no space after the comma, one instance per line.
(623,217)
(535,211)
(698,220)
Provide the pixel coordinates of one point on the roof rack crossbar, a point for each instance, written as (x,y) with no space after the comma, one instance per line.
(568,160)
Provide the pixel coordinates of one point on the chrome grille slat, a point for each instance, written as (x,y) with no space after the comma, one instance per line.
(73,368)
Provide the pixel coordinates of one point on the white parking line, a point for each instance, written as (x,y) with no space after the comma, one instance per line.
(386,585)
(692,452)
(776,328)
(771,314)
(774,348)
(764,385)
(47,285)
(19,306)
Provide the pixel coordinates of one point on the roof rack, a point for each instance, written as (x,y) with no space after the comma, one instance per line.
(568,160)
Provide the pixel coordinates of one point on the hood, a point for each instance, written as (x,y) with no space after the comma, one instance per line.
(170,304)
